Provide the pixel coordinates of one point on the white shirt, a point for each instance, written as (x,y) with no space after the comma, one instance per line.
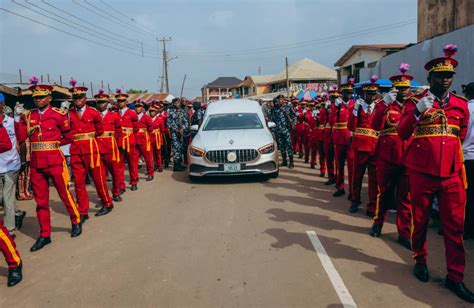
(468,144)
(104,113)
(81,110)
(368,108)
(122,111)
(140,115)
(10,160)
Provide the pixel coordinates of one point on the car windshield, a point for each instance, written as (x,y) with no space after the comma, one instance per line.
(231,121)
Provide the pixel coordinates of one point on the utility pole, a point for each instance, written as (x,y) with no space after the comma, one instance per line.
(61,80)
(287,80)
(166,87)
(92,90)
(182,86)
(21,77)
(260,70)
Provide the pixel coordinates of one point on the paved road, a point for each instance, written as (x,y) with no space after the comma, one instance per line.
(231,243)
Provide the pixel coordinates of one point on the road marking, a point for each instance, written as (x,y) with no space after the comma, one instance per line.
(336,280)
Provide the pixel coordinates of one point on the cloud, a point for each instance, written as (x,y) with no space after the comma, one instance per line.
(221,19)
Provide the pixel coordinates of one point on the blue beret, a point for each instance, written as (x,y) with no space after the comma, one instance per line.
(2,98)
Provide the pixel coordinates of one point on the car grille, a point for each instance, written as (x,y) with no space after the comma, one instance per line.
(243,156)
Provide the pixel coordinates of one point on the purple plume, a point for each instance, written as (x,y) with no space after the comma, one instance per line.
(73,82)
(450,50)
(404,67)
(351,80)
(101,91)
(118,91)
(34,80)
(373,79)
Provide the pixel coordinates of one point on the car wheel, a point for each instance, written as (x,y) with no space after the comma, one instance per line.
(273,175)
(193,178)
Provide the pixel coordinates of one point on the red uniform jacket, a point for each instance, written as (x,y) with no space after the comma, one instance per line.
(319,127)
(84,130)
(145,128)
(46,132)
(158,124)
(364,138)
(129,121)
(390,146)
(436,146)
(338,119)
(324,120)
(109,141)
(5,142)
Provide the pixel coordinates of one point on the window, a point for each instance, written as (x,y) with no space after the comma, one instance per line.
(372,64)
(230,121)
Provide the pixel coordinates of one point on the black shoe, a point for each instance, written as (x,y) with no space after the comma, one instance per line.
(104,210)
(84,218)
(460,290)
(284,163)
(404,242)
(19,216)
(160,170)
(15,275)
(40,243)
(339,192)
(122,191)
(300,155)
(421,272)
(76,230)
(354,208)
(117,198)
(134,187)
(98,205)
(312,166)
(330,182)
(375,231)
(321,175)
(149,178)
(349,197)
(291,165)
(306,161)
(369,214)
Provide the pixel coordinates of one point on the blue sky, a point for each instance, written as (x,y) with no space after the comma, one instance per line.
(210,38)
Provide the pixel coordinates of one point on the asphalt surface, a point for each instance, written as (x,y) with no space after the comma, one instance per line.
(234,242)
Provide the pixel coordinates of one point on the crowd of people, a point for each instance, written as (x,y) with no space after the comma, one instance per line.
(75,142)
(417,147)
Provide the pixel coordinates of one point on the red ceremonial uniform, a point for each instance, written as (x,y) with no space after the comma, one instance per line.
(341,136)
(47,130)
(157,138)
(435,161)
(143,142)
(129,121)
(86,124)
(364,140)
(328,142)
(312,138)
(320,143)
(108,147)
(7,244)
(166,149)
(392,176)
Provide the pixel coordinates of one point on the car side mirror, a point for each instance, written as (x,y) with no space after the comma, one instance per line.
(271,125)
(194,128)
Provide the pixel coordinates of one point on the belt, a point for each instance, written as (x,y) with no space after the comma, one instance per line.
(366,132)
(142,130)
(44,146)
(437,130)
(320,127)
(156,131)
(327,125)
(107,134)
(391,131)
(84,136)
(127,130)
(340,125)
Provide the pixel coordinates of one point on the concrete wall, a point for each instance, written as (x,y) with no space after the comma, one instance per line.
(417,56)
(366,55)
(437,17)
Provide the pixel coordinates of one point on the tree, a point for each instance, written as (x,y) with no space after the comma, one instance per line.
(137,91)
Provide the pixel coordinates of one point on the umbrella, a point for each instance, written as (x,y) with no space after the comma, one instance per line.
(307,95)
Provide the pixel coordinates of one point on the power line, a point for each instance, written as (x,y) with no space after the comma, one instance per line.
(115,35)
(73,34)
(88,31)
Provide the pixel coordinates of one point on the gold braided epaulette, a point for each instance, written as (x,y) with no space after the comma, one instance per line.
(60,111)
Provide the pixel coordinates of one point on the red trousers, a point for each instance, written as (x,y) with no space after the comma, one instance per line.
(393,183)
(322,156)
(132,166)
(112,166)
(80,166)
(452,203)
(307,146)
(329,155)
(362,161)
(342,154)
(141,149)
(313,149)
(39,180)
(8,247)
(157,157)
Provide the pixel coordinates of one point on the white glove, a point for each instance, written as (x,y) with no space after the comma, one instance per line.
(327,104)
(357,105)
(338,102)
(19,109)
(390,97)
(65,105)
(425,103)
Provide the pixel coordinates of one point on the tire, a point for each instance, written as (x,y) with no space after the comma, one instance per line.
(273,175)
(193,178)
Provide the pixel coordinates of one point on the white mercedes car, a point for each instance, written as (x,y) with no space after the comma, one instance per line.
(234,139)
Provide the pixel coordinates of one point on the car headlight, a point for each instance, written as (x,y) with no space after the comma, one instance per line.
(196,152)
(267,149)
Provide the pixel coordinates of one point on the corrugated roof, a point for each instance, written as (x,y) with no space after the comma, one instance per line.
(147,97)
(381,47)
(305,69)
(224,82)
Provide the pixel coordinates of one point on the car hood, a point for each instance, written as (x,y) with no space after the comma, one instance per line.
(221,139)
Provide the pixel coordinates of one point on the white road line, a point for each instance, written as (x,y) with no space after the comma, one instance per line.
(336,280)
